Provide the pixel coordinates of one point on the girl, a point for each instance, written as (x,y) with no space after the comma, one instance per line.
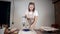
(31,15)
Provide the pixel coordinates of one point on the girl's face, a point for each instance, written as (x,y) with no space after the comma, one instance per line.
(31,7)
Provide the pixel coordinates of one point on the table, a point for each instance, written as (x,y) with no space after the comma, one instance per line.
(49,30)
(42,30)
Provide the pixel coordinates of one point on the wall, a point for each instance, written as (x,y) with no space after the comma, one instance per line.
(57,14)
(45,9)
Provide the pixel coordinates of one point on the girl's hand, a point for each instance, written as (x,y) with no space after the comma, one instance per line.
(32,26)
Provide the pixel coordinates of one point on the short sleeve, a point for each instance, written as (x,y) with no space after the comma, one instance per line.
(36,13)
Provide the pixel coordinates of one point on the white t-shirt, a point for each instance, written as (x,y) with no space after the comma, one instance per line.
(31,14)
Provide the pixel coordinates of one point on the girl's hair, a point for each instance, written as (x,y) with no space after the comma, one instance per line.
(31,3)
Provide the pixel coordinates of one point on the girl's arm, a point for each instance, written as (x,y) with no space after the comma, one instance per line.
(34,22)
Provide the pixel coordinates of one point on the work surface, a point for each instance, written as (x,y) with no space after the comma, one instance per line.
(36,32)
(42,30)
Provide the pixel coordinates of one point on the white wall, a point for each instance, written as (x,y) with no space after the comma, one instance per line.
(45,9)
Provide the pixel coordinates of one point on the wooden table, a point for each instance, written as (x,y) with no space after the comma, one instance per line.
(44,30)
(49,30)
